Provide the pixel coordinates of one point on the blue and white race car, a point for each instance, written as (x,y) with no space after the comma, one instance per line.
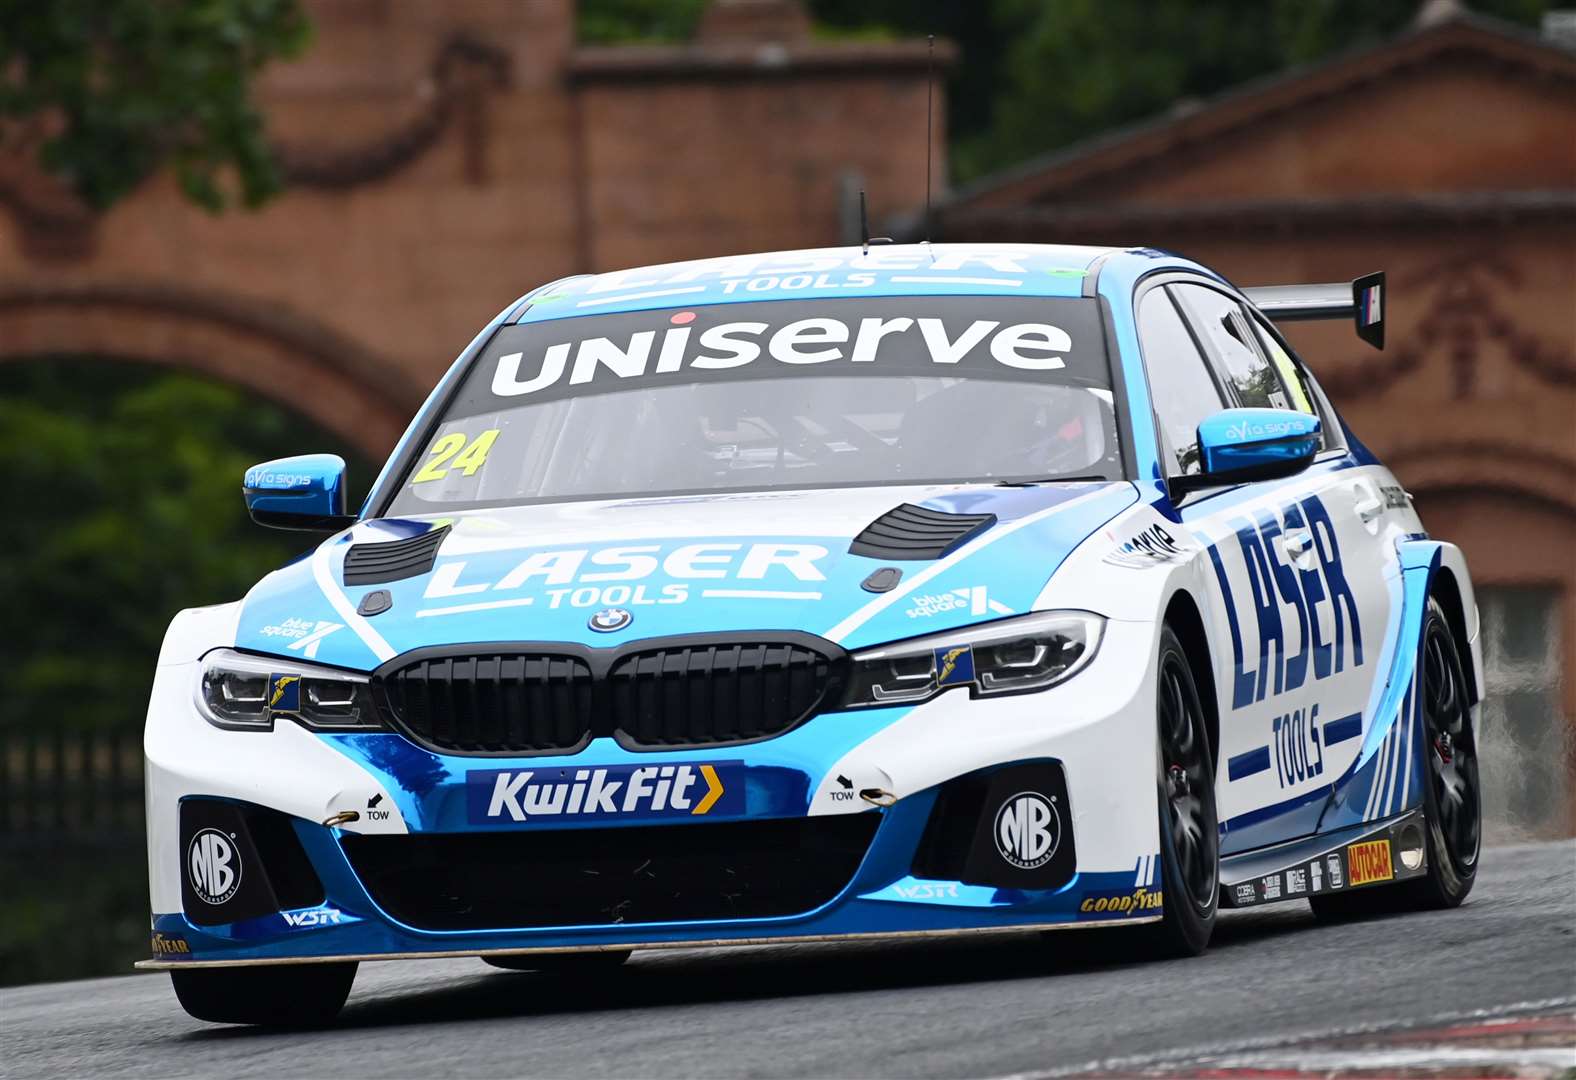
(816,595)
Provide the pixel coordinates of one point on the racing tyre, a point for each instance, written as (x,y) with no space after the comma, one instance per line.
(1451,795)
(1189,832)
(571,963)
(287,995)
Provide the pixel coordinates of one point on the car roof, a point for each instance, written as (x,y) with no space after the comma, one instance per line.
(881,270)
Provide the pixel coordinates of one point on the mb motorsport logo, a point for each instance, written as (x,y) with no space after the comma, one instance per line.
(629,792)
(214,866)
(1028,830)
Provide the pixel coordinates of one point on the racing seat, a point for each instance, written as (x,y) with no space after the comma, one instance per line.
(981,428)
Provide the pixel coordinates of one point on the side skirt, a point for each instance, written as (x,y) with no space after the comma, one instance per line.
(1363,856)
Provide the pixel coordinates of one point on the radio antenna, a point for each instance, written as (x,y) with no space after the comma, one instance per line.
(865,239)
(930,84)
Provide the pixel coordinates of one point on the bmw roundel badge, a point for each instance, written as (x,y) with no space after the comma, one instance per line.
(610,619)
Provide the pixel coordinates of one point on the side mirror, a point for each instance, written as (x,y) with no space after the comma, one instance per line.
(305,492)
(1239,445)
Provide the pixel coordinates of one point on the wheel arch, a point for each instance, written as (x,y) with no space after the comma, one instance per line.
(1447,591)
(1187,622)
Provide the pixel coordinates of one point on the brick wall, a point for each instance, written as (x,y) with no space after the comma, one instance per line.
(446,156)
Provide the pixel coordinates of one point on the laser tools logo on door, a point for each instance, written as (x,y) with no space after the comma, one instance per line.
(613,792)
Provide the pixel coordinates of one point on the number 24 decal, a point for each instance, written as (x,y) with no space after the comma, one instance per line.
(470,457)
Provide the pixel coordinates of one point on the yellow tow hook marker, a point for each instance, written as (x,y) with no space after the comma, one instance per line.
(344,817)
(877,796)
(713,793)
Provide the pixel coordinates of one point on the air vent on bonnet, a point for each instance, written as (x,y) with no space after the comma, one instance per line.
(913,532)
(392,560)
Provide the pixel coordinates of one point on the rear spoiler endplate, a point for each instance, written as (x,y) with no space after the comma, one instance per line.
(1362,301)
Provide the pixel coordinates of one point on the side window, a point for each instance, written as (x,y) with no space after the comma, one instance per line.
(1223,326)
(1290,374)
(1183,390)
(1295,377)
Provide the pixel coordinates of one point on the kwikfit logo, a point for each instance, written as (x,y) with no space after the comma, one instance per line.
(504,796)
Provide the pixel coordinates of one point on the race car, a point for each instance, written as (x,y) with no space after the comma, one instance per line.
(848,593)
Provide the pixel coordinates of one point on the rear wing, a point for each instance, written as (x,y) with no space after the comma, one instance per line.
(1362,301)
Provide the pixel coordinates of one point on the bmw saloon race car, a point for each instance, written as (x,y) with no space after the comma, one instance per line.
(915,590)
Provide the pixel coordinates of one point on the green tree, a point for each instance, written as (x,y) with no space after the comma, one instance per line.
(124,487)
(1035,75)
(615,22)
(127,506)
(1074,68)
(114,90)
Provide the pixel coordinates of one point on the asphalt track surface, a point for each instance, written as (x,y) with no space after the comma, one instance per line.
(1018,1004)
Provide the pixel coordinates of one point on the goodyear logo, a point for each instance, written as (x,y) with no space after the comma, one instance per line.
(284,693)
(1139,901)
(170,945)
(954,665)
(613,792)
(1369,862)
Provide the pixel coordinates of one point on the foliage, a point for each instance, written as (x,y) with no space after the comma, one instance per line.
(72,911)
(1035,75)
(616,22)
(1075,68)
(126,508)
(113,90)
(120,88)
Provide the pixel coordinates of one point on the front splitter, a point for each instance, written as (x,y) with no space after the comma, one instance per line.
(978,931)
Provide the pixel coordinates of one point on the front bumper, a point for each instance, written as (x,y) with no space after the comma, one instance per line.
(1098,729)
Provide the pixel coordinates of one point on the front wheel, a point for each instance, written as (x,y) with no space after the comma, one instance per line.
(1189,830)
(284,995)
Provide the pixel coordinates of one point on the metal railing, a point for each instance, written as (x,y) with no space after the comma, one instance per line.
(77,787)
(71,854)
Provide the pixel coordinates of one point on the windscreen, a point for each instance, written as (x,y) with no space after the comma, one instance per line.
(771,395)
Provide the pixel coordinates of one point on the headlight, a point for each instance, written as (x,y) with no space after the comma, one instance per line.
(1010,656)
(248,692)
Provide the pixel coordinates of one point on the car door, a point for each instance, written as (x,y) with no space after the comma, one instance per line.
(1367,521)
(1303,596)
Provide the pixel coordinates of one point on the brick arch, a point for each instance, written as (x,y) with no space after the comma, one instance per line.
(280,354)
(1505,469)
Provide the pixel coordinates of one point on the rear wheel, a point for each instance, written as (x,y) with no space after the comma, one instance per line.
(1451,794)
(284,995)
(1189,830)
(570,963)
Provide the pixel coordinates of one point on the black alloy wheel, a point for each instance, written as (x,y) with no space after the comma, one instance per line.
(1451,749)
(1189,827)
